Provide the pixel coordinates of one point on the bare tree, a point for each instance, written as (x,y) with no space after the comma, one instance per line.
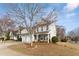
(60,32)
(6,24)
(71,34)
(51,16)
(26,15)
(74,34)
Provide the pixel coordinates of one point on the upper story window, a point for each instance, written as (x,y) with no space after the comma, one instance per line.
(37,29)
(47,27)
(41,28)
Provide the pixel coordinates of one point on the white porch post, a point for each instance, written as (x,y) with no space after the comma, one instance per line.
(48,38)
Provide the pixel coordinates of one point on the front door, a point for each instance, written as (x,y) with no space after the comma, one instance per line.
(43,37)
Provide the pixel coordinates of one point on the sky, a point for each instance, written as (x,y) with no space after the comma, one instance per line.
(68,14)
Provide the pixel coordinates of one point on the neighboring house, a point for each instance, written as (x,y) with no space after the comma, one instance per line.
(13,34)
(42,31)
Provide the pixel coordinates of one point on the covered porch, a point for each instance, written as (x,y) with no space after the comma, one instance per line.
(42,36)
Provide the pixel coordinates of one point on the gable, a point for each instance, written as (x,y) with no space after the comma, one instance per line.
(24,31)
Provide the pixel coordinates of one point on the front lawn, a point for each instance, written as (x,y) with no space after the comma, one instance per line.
(45,49)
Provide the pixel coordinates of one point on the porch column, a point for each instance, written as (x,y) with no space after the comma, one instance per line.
(48,38)
(37,37)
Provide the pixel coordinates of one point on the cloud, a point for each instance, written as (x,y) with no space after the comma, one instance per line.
(68,11)
(71,15)
(71,6)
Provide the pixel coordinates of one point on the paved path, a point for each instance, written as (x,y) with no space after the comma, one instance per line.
(4,51)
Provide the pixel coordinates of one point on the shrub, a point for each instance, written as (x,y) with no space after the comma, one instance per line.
(54,39)
(2,38)
(64,40)
(20,39)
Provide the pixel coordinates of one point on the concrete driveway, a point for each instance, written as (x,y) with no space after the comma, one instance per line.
(4,51)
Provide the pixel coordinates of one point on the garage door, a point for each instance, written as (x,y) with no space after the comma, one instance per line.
(26,39)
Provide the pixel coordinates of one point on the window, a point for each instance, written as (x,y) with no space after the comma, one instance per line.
(37,29)
(35,37)
(41,28)
(47,27)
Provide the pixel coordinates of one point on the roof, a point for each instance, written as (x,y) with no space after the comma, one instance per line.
(24,31)
(58,26)
(42,23)
(13,30)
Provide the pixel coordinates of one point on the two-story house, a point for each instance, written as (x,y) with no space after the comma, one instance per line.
(42,31)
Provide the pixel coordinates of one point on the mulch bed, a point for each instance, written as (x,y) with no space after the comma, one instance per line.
(27,45)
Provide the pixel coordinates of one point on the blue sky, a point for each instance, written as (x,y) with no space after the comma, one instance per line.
(68,14)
